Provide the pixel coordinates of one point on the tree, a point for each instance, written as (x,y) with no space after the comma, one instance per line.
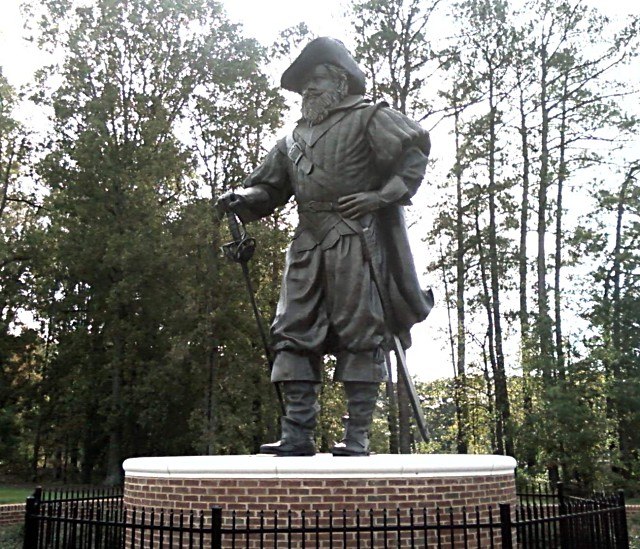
(116,268)
(525,117)
(615,315)
(482,58)
(19,208)
(577,104)
(19,212)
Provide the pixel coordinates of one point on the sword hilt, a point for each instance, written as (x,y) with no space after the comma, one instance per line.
(242,248)
(234,226)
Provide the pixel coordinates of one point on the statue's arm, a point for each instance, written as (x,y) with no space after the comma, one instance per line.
(267,188)
(401,148)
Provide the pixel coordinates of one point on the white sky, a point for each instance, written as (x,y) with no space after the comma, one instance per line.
(263,19)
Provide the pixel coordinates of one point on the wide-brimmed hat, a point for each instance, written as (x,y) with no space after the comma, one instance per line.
(319,51)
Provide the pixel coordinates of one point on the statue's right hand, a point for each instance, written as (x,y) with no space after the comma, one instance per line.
(227,202)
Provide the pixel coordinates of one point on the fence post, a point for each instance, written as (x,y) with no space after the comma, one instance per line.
(216,528)
(622,536)
(32,509)
(505,526)
(565,539)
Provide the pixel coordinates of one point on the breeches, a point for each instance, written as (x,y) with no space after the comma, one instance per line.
(329,304)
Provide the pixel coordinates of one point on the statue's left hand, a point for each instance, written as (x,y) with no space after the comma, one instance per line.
(356,205)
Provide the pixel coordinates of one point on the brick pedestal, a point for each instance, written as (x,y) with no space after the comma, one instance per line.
(11,514)
(464,487)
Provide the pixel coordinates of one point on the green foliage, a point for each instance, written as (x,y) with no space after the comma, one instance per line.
(147,337)
(546,72)
(332,408)
(392,44)
(614,313)
(19,213)
(11,537)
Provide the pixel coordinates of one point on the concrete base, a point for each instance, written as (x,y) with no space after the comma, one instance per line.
(320,466)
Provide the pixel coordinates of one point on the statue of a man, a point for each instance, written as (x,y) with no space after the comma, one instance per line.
(351,166)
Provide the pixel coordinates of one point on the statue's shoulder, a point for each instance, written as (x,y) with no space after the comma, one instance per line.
(281,144)
(371,110)
(359,111)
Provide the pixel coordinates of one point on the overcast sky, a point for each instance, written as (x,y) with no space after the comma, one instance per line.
(264,19)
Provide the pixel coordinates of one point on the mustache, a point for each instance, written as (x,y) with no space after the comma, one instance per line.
(307,94)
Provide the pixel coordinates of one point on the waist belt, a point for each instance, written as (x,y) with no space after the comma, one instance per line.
(317,206)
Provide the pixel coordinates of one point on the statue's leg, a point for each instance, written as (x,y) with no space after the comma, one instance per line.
(298,425)
(356,316)
(299,376)
(361,403)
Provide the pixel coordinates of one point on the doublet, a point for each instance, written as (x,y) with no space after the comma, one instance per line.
(328,302)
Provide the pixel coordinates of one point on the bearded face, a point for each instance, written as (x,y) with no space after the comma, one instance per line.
(326,87)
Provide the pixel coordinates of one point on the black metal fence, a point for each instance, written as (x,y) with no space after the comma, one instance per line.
(541,519)
(552,519)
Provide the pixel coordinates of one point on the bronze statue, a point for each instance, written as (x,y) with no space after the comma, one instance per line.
(349,284)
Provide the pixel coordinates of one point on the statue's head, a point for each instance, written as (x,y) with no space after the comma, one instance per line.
(324,73)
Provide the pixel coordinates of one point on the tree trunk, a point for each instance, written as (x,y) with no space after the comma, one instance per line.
(212,362)
(616,371)
(524,222)
(486,300)
(544,321)
(489,392)
(114,451)
(462,414)
(35,457)
(525,343)
(500,377)
(211,306)
(562,175)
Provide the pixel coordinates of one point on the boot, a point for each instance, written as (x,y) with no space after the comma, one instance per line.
(361,402)
(301,405)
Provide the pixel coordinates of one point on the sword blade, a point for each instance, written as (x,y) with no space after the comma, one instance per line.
(263,333)
(411,389)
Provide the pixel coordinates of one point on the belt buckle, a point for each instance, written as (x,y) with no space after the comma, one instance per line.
(295,153)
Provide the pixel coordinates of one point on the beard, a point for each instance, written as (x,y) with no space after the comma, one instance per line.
(315,108)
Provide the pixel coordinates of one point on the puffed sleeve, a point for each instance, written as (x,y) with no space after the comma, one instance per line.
(401,148)
(266,188)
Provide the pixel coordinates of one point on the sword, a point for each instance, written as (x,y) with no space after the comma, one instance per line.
(401,360)
(241,251)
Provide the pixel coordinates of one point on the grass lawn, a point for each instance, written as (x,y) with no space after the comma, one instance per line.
(12,494)
(634,530)
(11,537)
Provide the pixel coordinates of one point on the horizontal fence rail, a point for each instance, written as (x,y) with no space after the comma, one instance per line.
(547,519)
(98,519)
(472,528)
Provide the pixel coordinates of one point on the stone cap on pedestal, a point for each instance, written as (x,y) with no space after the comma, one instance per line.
(321,466)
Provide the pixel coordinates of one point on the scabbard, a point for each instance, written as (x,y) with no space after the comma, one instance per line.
(401,361)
